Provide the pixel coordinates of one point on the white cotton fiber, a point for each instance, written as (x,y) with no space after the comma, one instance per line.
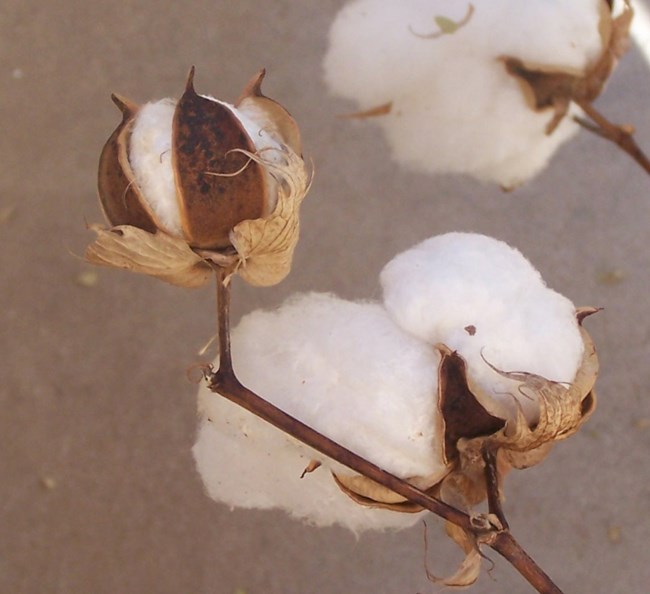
(346,370)
(150,157)
(454,106)
(481,297)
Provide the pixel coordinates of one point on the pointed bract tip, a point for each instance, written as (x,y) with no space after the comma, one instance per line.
(584,312)
(126,106)
(253,87)
(189,85)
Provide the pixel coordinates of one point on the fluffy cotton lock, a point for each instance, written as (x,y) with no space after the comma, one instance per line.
(346,370)
(484,299)
(454,108)
(366,375)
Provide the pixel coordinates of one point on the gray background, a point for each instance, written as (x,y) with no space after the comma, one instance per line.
(98,491)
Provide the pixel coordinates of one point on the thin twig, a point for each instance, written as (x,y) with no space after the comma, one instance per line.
(223,320)
(225,383)
(492,483)
(506,545)
(620,135)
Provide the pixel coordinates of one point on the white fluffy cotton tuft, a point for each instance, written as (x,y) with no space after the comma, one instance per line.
(346,370)
(150,157)
(453,283)
(454,107)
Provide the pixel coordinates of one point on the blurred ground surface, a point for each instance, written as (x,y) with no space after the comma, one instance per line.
(98,492)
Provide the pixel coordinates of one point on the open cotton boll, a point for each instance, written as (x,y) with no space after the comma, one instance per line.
(151,159)
(482,298)
(346,370)
(454,106)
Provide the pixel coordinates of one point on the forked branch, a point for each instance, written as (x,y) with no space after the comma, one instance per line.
(621,135)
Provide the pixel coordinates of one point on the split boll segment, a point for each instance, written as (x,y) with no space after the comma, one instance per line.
(220,183)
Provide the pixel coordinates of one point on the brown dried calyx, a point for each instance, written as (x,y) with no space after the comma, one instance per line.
(546,87)
(204,184)
(470,428)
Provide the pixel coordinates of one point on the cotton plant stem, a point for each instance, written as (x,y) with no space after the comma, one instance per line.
(618,134)
(225,383)
(506,545)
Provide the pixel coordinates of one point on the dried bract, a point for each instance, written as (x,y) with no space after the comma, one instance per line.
(546,87)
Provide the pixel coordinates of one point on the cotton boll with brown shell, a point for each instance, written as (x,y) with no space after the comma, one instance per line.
(225,181)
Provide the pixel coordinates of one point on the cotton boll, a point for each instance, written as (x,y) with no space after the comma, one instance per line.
(346,370)
(454,106)
(483,298)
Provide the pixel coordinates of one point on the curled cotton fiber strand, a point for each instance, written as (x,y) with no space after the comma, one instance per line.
(454,108)
(346,370)
(483,298)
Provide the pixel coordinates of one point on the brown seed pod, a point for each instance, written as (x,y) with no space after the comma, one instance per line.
(223,182)
(218,185)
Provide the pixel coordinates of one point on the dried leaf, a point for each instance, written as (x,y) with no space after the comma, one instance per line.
(160,255)
(313,465)
(563,409)
(446,26)
(555,88)
(367,492)
(265,246)
(373,112)
(470,568)
(465,487)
